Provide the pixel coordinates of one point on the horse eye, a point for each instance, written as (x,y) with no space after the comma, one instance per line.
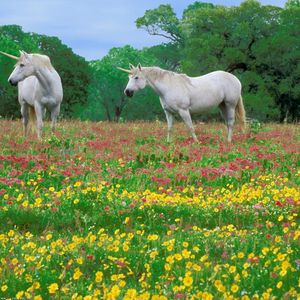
(136,78)
(22,65)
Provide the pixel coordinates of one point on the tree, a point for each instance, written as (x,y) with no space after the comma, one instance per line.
(161,21)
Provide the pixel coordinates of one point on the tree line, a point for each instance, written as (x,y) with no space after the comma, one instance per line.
(258,43)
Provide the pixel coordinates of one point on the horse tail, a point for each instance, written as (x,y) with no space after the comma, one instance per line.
(32,117)
(240,112)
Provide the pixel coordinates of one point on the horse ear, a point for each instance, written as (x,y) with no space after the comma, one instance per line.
(140,67)
(23,53)
(131,66)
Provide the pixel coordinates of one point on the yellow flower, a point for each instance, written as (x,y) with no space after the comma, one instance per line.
(115,291)
(99,276)
(4,288)
(167,267)
(188,281)
(51,189)
(48,236)
(282,273)
(279,284)
(77,184)
(266,295)
(280,218)
(234,288)
(240,255)
(197,267)
(53,288)
(185,244)
(207,296)
(130,294)
(79,260)
(77,274)
(20,295)
(232,269)
(153,254)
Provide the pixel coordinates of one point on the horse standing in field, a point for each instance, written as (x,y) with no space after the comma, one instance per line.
(190,95)
(39,87)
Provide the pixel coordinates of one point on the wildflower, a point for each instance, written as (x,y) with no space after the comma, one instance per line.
(188,281)
(234,288)
(53,288)
(280,218)
(130,294)
(232,269)
(20,294)
(77,184)
(115,291)
(77,274)
(99,276)
(279,284)
(4,288)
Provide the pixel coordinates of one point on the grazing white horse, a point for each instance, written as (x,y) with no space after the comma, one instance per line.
(39,87)
(190,95)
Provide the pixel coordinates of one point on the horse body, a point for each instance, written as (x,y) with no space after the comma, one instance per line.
(191,95)
(39,87)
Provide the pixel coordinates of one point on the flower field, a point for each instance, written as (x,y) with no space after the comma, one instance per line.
(112,211)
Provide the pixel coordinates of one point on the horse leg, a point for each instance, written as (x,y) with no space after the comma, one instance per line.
(230,116)
(169,117)
(54,114)
(186,117)
(39,119)
(25,118)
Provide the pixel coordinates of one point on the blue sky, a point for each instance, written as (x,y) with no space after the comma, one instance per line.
(92,27)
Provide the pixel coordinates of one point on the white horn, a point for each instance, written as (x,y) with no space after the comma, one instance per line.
(124,70)
(9,55)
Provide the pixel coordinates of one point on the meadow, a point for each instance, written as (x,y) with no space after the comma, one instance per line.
(112,211)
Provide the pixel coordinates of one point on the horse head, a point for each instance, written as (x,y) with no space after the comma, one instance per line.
(137,80)
(23,68)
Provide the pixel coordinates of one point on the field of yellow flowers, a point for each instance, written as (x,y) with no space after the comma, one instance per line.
(112,211)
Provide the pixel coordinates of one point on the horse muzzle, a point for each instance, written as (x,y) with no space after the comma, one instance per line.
(12,82)
(129,93)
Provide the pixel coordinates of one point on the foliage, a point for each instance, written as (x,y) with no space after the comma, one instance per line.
(161,21)
(112,211)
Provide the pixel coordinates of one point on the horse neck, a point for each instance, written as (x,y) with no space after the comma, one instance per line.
(157,84)
(46,78)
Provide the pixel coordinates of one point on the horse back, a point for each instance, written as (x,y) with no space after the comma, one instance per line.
(212,89)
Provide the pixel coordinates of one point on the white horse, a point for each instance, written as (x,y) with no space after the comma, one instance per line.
(190,95)
(39,87)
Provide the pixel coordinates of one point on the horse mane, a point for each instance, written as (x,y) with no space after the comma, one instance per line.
(155,73)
